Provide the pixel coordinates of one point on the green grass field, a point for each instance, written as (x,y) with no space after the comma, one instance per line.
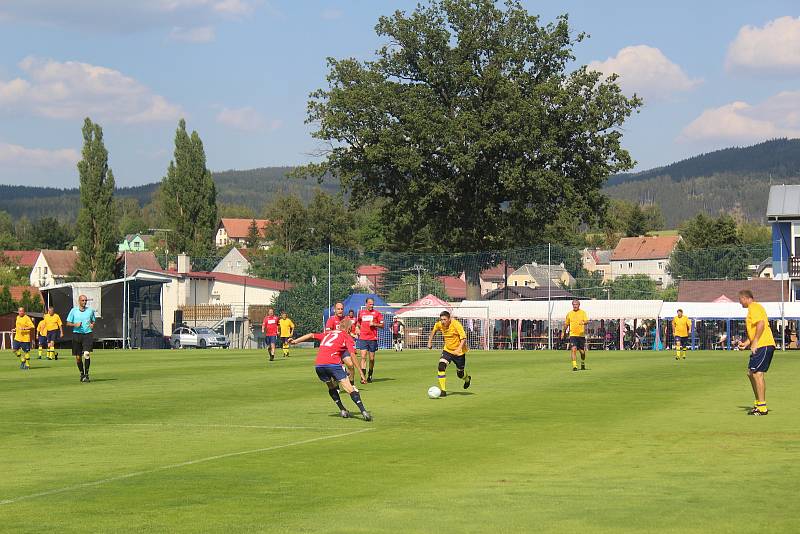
(223,441)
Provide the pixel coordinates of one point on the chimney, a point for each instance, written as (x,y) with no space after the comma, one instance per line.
(184,263)
(172,266)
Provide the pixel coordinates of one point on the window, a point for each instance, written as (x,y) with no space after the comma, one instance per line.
(630,265)
(661,266)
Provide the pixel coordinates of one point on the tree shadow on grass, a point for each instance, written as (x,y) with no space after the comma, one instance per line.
(103,379)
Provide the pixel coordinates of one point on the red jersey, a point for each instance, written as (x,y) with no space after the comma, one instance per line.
(331,347)
(333,322)
(270,325)
(367,321)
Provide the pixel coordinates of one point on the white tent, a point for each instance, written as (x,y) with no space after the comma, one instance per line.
(537,310)
(727,310)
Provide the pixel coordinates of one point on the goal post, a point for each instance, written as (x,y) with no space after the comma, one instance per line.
(418,322)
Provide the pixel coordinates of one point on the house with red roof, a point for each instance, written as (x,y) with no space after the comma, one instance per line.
(53,267)
(370,277)
(644,255)
(235,231)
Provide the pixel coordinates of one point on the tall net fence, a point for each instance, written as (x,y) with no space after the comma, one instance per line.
(415,324)
(311,280)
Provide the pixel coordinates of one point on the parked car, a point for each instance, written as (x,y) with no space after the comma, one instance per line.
(198,337)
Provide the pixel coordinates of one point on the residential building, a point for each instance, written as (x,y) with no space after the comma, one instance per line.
(25,259)
(644,255)
(764,290)
(236,261)
(53,267)
(494,277)
(455,287)
(188,288)
(135,242)
(783,213)
(595,259)
(370,277)
(236,230)
(535,275)
(130,262)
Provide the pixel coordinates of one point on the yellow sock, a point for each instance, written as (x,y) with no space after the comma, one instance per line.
(442,378)
(40,352)
(762,406)
(27,358)
(574,364)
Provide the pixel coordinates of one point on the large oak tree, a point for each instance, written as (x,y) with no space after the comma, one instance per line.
(477,125)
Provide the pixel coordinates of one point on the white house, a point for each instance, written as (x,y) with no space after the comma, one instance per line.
(595,259)
(236,261)
(53,267)
(644,255)
(235,231)
(535,275)
(189,288)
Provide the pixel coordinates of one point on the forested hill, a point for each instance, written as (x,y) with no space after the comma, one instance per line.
(729,180)
(252,188)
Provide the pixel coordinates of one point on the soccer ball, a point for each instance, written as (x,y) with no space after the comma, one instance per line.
(434,392)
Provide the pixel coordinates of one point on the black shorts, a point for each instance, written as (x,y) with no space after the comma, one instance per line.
(460,361)
(684,341)
(52,335)
(285,342)
(82,343)
(395,336)
(579,342)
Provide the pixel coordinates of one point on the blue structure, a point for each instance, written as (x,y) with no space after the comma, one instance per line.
(356,302)
(783,213)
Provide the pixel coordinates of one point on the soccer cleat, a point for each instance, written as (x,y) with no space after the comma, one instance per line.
(56,356)
(583,367)
(369,379)
(574,368)
(85,378)
(345,414)
(366,415)
(443,394)
(756,411)
(468,381)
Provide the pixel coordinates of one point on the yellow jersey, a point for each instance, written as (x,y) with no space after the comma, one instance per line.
(452,335)
(681,326)
(755,314)
(24,328)
(41,329)
(286,326)
(576,321)
(53,322)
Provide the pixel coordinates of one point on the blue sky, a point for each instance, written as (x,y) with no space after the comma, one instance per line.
(713,74)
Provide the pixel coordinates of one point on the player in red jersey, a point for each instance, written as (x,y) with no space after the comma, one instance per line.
(328,365)
(333,324)
(369,321)
(270,327)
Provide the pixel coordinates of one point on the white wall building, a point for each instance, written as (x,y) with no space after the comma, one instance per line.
(644,255)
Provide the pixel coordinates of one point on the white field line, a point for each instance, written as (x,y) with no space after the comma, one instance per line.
(175,466)
(162,425)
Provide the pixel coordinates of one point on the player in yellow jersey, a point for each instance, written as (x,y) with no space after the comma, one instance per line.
(762,347)
(455,350)
(681,330)
(41,334)
(575,325)
(286,327)
(55,331)
(23,330)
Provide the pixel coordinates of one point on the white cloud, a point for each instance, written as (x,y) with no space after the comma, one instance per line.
(70,90)
(771,49)
(246,119)
(125,16)
(332,14)
(777,116)
(200,34)
(646,71)
(21,157)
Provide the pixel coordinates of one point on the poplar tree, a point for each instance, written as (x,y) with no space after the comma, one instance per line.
(97,229)
(189,197)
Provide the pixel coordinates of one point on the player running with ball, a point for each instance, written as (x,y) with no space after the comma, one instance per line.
(328,365)
(455,350)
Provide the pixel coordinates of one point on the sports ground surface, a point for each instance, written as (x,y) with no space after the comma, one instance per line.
(213,441)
